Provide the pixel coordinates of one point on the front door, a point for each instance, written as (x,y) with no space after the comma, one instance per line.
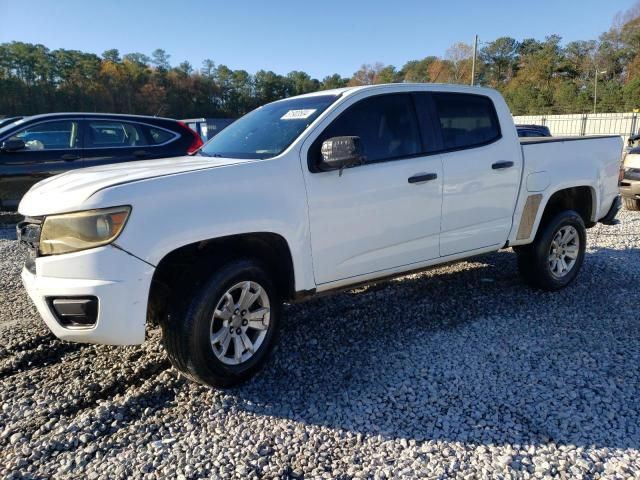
(381,215)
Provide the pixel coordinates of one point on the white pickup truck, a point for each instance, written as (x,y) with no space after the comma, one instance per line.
(306,195)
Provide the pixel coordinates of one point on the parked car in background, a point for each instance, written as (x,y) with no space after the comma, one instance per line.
(632,142)
(303,196)
(533,131)
(37,147)
(208,128)
(630,182)
(7,120)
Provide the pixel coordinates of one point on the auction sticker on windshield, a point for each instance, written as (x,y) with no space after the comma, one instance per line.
(298,114)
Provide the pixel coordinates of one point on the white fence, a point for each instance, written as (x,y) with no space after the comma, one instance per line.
(623,124)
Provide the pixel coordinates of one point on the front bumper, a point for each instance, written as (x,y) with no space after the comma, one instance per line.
(119,281)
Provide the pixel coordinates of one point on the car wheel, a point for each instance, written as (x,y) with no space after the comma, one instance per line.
(631,204)
(555,257)
(225,333)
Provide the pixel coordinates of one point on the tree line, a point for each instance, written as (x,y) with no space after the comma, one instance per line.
(535,76)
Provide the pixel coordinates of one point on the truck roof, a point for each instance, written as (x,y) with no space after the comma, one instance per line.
(440,87)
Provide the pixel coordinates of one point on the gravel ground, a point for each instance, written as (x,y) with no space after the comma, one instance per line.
(458,372)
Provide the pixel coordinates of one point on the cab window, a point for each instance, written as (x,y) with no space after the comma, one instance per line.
(466,120)
(386,124)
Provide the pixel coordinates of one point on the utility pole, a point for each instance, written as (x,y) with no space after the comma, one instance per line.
(473,65)
(595,89)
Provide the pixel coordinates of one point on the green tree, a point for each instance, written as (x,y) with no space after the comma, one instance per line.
(417,70)
(535,76)
(160,59)
(500,59)
(112,55)
(334,81)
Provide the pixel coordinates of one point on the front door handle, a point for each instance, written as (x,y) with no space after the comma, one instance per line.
(69,157)
(501,165)
(141,153)
(423,177)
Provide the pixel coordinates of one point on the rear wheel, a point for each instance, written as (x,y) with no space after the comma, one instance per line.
(555,257)
(631,203)
(225,333)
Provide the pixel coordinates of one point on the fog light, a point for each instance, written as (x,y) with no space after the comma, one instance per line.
(75,312)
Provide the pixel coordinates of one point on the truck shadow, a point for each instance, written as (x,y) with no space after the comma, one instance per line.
(499,362)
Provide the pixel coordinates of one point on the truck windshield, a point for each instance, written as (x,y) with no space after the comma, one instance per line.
(268,130)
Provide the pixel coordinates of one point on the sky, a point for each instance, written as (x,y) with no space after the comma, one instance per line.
(320,38)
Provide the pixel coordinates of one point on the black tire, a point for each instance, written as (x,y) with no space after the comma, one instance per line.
(187,332)
(533,259)
(631,204)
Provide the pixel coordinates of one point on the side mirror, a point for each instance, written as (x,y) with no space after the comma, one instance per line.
(12,145)
(341,152)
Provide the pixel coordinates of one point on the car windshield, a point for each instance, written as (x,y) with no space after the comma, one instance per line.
(268,130)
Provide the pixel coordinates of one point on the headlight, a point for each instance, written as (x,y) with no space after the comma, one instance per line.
(71,232)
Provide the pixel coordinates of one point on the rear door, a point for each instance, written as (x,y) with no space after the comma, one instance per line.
(112,141)
(51,147)
(482,169)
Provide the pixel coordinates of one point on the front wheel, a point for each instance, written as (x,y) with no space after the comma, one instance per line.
(224,335)
(555,257)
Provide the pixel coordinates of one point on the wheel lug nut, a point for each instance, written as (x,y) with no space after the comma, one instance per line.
(243,313)
(238,331)
(245,322)
(236,311)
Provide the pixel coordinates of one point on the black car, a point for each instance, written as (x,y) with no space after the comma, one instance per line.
(7,120)
(533,131)
(37,147)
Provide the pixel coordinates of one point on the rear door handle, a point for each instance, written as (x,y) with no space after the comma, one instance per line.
(69,157)
(141,153)
(423,177)
(501,165)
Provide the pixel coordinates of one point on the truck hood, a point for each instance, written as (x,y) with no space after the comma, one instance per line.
(66,192)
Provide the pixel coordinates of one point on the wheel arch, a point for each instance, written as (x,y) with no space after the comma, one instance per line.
(581,198)
(188,266)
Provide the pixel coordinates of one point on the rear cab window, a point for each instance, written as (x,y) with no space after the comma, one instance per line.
(466,120)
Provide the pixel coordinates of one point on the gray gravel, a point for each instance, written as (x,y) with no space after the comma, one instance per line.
(458,372)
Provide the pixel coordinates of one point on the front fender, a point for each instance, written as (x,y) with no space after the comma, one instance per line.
(173,211)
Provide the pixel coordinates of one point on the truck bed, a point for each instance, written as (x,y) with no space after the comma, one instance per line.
(564,162)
